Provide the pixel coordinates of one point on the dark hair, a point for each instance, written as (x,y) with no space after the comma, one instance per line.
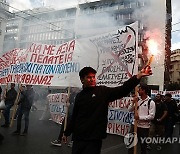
(145,88)
(85,71)
(168,95)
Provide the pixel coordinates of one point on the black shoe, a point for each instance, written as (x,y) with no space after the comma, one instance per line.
(16,132)
(149,147)
(5,125)
(24,134)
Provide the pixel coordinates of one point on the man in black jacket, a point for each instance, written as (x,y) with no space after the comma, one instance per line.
(9,102)
(26,101)
(89,120)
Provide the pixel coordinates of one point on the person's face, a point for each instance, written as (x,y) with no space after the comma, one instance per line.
(89,80)
(140,91)
(158,97)
(12,85)
(167,98)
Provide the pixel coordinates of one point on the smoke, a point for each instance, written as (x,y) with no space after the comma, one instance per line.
(59,4)
(90,25)
(19,4)
(153,17)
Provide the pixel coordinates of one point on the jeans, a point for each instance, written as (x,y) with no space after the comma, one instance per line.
(141,133)
(6,113)
(22,112)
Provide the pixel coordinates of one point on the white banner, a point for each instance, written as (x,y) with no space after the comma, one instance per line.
(119,118)
(113,55)
(175,94)
(58,106)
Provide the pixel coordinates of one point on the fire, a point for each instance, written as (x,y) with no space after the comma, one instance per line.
(152,46)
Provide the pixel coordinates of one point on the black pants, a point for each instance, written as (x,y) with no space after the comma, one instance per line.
(141,133)
(169,126)
(87,147)
(26,116)
(61,131)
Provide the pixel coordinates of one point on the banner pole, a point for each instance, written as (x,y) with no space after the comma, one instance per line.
(67,109)
(15,105)
(135,121)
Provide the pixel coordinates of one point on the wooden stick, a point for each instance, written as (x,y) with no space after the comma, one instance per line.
(67,109)
(15,105)
(135,121)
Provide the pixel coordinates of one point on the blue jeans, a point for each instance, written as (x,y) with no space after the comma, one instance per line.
(22,112)
(6,113)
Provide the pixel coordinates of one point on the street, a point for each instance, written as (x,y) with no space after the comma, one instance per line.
(41,133)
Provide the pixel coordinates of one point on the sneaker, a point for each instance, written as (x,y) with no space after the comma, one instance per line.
(158,147)
(16,132)
(5,125)
(1,138)
(56,142)
(70,144)
(24,134)
(149,147)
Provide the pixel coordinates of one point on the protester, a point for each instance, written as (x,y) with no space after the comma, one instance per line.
(158,123)
(145,113)
(19,106)
(170,120)
(70,110)
(89,120)
(26,101)
(1,136)
(46,109)
(9,102)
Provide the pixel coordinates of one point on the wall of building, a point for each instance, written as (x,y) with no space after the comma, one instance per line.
(175,66)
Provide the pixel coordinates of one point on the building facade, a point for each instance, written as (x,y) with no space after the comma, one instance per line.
(175,66)
(4,15)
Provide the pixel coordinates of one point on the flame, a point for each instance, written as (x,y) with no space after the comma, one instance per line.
(152,46)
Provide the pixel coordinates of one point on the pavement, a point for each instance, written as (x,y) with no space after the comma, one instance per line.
(42,132)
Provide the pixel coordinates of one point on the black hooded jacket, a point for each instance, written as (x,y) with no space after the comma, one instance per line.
(89,119)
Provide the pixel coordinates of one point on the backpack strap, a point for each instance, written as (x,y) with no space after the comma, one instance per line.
(140,104)
(149,101)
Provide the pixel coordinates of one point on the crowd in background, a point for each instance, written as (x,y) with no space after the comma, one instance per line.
(163,115)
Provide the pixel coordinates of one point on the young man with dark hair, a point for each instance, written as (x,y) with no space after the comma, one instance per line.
(26,101)
(145,113)
(170,120)
(158,123)
(89,120)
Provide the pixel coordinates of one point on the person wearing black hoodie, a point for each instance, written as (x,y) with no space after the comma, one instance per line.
(9,102)
(26,101)
(89,119)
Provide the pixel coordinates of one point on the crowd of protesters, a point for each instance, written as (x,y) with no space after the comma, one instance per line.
(155,117)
